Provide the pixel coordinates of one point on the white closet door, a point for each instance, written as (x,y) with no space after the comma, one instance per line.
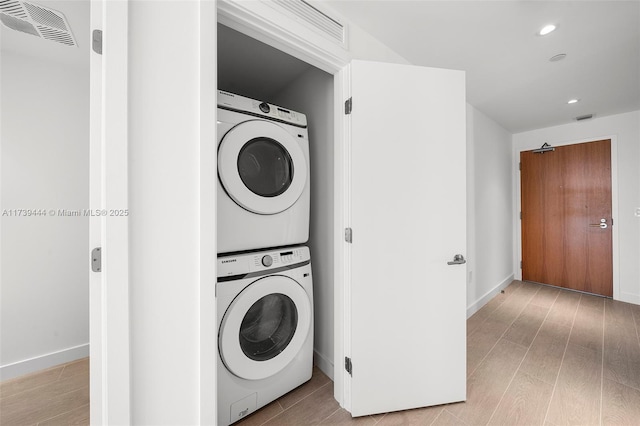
(408,215)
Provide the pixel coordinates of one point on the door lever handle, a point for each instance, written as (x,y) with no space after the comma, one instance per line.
(602,224)
(458,259)
(598,225)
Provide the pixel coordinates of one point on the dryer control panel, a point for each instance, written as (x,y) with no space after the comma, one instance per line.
(261,261)
(239,103)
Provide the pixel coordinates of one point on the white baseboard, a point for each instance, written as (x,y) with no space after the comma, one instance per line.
(324,364)
(475,307)
(630,298)
(43,362)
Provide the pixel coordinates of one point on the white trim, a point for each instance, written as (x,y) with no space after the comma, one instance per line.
(338,242)
(614,206)
(115,195)
(629,298)
(208,171)
(97,393)
(475,307)
(616,220)
(341,261)
(109,294)
(264,23)
(43,362)
(115,249)
(323,363)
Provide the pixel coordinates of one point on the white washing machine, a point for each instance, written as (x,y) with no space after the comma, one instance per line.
(265,328)
(263,175)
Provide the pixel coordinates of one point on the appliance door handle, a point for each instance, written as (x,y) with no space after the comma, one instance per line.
(458,259)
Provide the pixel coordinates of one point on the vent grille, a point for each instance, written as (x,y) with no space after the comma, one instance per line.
(13,8)
(53,34)
(313,17)
(45,17)
(36,20)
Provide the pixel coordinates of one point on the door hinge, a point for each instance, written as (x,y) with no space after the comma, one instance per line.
(520,215)
(96,259)
(521,264)
(348,366)
(348,105)
(348,235)
(519,166)
(97,41)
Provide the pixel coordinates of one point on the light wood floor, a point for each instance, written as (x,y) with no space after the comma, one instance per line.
(56,396)
(536,356)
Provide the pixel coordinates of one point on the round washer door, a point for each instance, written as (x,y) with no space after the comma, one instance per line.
(262,167)
(265,327)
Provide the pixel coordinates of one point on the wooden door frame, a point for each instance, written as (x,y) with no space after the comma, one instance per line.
(614,204)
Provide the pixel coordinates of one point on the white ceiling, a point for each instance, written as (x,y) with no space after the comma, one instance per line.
(509,75)
(77,14)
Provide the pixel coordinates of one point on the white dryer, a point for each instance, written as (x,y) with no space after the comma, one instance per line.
(265,328)
(263,175)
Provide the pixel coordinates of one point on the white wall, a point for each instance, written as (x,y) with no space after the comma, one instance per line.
(312,94)
(625,130)
(172,247)
(490,209)
(363,45)
(44,301)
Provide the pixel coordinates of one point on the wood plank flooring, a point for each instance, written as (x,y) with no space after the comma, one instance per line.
(56,396)
(536,355)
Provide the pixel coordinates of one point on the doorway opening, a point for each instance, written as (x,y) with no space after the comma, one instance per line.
(45,199)
(253,69)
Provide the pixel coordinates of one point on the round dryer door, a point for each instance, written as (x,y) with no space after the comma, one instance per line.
(265,327)
(262,167)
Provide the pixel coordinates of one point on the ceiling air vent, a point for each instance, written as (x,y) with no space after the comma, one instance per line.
(584,117)
(314,18)
(37,20)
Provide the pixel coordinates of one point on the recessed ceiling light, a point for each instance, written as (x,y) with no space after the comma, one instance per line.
(558,57)
(547,29)
(573,101)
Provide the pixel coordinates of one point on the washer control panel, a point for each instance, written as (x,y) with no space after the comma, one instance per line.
(263,109)
(261,261)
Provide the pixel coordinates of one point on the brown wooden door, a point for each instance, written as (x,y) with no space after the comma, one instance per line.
(566,194)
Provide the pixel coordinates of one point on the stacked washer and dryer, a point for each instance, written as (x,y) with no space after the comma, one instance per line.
(264,288)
